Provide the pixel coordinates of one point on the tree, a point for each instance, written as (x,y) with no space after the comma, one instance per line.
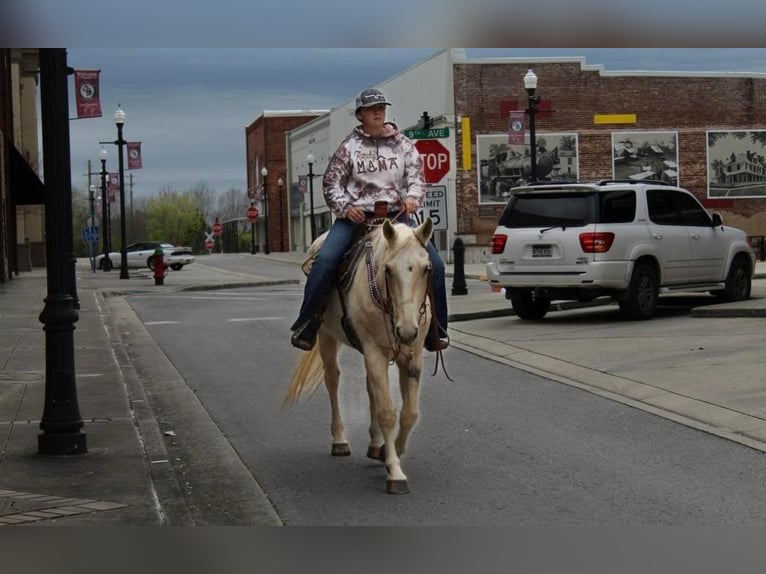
(232,204)
(174,217)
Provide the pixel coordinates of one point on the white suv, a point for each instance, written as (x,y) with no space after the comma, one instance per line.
(631,241)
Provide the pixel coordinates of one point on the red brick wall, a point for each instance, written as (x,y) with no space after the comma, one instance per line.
(688,105)
(265,139)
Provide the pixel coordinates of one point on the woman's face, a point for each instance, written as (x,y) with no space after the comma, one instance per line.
(373,115)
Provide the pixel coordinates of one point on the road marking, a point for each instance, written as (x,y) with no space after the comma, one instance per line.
(254,319)
(162,323)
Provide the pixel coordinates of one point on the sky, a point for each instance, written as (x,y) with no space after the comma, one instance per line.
(189,107)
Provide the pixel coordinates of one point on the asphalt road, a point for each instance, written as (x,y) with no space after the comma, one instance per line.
(498,446)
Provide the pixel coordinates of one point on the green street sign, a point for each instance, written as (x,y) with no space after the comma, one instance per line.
(427,134)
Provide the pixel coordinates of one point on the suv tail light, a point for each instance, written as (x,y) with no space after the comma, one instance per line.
(498,243)
(595,242)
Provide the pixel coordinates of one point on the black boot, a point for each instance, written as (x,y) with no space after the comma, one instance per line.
(305,337)
(437,338)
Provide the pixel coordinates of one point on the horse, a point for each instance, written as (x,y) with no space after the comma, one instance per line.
(388,306)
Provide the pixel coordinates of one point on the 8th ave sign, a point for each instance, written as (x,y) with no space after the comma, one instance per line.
(436,162)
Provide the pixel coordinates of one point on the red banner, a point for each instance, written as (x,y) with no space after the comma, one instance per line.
(302,181)
(113,186)
(134,155)
(87,93)
(516,127)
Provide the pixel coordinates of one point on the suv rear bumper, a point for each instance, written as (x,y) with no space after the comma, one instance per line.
(606,275)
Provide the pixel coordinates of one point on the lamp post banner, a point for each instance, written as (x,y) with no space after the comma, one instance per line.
(134,155)
(302,180)
(516,127)
(113,186)
(87,93)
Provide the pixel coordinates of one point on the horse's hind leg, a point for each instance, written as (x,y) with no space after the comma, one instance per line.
(375,449)
(409,384)
(328,350)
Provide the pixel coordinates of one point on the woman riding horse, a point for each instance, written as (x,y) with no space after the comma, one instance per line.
(374,163)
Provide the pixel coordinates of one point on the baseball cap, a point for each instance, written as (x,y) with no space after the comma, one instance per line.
(371,97)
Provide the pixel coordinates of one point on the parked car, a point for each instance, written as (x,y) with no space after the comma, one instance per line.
(141,254)
(623,239)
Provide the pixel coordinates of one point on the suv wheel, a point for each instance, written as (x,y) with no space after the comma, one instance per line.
(529,305)
(176,266)
(738,283)
(642,293)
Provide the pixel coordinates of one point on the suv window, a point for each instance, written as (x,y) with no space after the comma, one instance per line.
(671,207)
(548,209)
(618,206)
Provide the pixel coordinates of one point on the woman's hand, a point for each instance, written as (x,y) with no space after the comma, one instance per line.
(410,205)
(355,214)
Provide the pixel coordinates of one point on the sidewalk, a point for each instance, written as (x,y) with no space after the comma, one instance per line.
(154,455)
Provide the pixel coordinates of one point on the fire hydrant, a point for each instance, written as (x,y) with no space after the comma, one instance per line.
(160,267)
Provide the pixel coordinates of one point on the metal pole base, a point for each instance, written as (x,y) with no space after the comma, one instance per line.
(62,443)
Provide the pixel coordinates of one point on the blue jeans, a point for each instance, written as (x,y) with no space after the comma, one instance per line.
(328,258)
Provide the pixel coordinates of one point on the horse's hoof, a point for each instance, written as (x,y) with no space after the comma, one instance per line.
(397,487)
(376,452)
(341,449)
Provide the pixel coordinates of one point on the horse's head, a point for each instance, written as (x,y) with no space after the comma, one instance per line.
(407,271)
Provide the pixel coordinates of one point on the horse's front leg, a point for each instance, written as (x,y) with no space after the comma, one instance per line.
(409,385)
(328,350)
(375,449)
(377,375)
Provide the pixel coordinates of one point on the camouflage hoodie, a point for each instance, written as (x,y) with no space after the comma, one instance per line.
(364,170)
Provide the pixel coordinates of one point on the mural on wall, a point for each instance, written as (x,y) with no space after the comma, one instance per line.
(503,165)
(736,163)
(641,156)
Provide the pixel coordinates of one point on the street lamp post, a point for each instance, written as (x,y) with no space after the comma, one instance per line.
(252,232)
(310,159)
(91,243)
(530,84)
(265,173)
(280,185)
(119,120)
(105,227)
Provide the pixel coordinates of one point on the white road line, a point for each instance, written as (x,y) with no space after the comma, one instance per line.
(162,323)
(255,319)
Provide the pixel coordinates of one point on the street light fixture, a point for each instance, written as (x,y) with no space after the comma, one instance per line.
(105,215)
(530,84)
(280,185)
(265,173)
(310,159)
(119,120)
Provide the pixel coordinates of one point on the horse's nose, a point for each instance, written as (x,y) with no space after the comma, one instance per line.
(406,333)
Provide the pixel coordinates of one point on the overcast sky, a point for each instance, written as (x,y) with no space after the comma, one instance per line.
(189,107)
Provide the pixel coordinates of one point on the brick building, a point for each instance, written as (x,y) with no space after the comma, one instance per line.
(591,124)
(265,148)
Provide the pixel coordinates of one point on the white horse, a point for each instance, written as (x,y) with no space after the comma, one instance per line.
(389,307)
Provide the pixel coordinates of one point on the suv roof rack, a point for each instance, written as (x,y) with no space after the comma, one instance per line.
(645,181)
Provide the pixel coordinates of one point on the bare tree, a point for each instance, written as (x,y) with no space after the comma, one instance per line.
(232,204)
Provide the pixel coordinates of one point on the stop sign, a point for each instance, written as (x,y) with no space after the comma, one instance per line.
(252,213)
(217,228)
(435,159)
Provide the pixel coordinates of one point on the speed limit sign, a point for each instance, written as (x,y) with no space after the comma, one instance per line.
(434,206)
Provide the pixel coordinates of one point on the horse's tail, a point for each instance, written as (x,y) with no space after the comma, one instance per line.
(308,377)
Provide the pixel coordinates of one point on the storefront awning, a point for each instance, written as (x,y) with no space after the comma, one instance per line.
(26,187)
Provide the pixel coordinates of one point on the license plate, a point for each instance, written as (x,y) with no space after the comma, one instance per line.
(542,251)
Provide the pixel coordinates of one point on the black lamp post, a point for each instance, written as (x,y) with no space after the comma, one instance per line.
(265,173)
(61,423)
(119,120)
(92,244)
(105,230)
(252,232)
(310,159)
(530,84)
(280,185)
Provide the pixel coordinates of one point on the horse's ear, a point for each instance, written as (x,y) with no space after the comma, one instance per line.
(388,230)
(424,230)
